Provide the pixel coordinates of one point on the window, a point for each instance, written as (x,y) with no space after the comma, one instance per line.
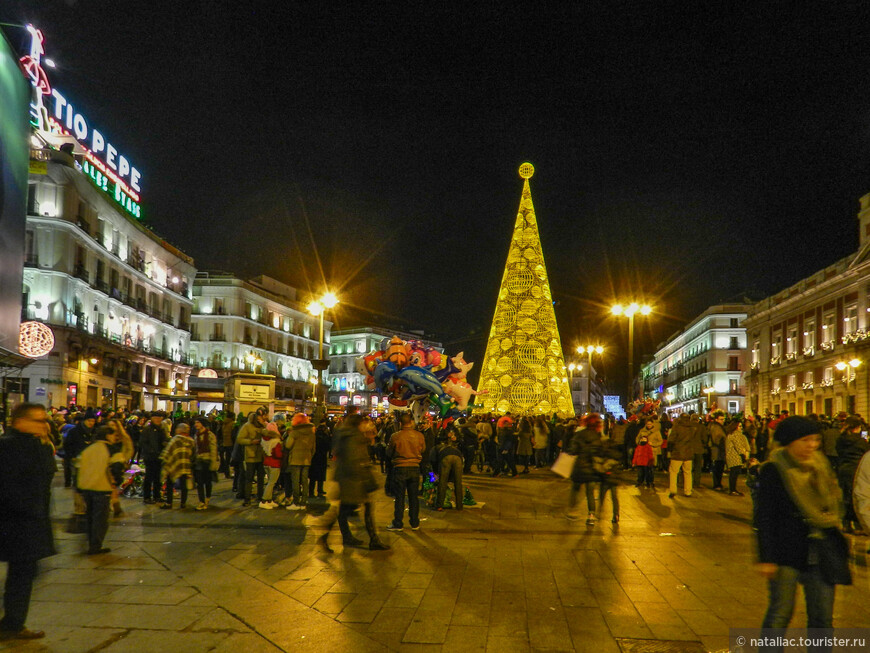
(218,306)
(808,379)
(790,382)
(850,319)
(733,363)
(809,336)
(732,386)
(791,340)
(735,322)
(808,407)
(756,348)
(776,347)
(828,375)
(30,258)
(734,343)
(829,329)
(733,407)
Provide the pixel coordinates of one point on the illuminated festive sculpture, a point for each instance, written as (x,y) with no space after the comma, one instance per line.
(524,369)
(35,339)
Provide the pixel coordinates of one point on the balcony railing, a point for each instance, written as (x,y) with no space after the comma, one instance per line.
(102,286)
(218,337)
(32,261)
(81,272)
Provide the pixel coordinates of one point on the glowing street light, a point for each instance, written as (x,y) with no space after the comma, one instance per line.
(709,390)
(318,307)
(629,311)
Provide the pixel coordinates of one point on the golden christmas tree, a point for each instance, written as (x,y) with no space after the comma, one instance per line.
(524,368)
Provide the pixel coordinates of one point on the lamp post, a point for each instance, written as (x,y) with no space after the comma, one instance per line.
(848,368)
(319,307)
(630,311)
(709,390)
(589,350)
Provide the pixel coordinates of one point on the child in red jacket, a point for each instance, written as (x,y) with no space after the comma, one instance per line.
(644,459)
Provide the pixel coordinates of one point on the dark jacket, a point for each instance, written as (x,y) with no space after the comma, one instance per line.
(26,470)
(680,439)
(352,462)
(586,445)
(152,441)
(322,445)
(783,534)
(77,440)
(717,440)
(630,437)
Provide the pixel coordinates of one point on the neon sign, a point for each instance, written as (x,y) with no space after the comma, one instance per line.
(110,170)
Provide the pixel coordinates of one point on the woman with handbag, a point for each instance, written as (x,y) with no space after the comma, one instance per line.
(798,520)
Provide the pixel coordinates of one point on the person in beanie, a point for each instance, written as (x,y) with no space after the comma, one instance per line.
(798,518)
(301,443)
(27,468)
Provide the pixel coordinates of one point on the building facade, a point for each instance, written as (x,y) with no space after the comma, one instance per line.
(810,343)
(255,326)
(702,365)
(117,297)
(347,385)
(586,397)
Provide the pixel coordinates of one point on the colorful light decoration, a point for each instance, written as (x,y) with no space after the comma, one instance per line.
(524,364)
(35,339)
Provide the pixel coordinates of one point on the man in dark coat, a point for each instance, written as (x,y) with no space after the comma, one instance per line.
(26,470)
(630,440)
(151,443)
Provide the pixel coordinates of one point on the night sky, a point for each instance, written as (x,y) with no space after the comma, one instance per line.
(683,156)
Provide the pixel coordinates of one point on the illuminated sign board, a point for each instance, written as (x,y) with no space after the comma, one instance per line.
(106,167)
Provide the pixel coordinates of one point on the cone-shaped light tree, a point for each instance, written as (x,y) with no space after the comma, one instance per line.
(524,368)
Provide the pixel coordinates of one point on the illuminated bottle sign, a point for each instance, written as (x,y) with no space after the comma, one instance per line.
(105,166)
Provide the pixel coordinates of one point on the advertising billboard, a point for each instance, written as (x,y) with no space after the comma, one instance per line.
(15,95)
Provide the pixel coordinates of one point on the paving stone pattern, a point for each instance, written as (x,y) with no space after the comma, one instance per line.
(514,575)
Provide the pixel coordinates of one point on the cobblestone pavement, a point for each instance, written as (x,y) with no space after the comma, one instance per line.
(512,575)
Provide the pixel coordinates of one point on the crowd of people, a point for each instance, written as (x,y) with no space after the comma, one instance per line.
(814,486)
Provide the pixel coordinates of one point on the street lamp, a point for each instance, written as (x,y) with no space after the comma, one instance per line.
(319,307)
(253,360)
(848,368)
(589,350)
(709,390)
(630,311)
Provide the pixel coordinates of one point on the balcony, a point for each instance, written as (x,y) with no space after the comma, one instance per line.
(31,261)
(141,305)
(102,286)
(218,337)
(81,272)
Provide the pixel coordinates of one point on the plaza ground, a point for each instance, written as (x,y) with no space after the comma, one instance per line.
(513,575)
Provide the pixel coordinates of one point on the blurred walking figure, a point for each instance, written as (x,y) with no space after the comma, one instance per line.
(541,441)
(448,462)
(850,447)
(798,517)
(585,444)
(27,468)
(353,473)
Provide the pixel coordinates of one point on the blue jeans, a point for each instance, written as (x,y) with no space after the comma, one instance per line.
(782,589)
(406,480)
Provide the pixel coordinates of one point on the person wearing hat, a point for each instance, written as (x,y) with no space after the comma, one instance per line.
(798,512)
(850,447)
